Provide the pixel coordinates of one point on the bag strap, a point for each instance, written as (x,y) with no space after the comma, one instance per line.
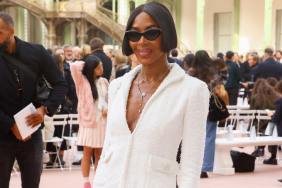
(20,65)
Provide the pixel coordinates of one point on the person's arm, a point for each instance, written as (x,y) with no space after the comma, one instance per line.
(55,77)
(6,122)
(255,71)
(276,118)
(76,72)
(238,73)
(194,134)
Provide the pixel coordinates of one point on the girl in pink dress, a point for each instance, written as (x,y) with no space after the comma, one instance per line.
(90,88)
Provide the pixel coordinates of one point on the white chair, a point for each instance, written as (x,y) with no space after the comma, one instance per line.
(241,114)
(232,107)
(15,171)
(71,140)
(57,142)
(262,115)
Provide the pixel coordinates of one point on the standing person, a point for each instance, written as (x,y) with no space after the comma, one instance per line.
(279,56)
(174,54)
(97,47)
(109,52)
(91,88)
(140,141)
(18,91)
(245,68)
(240,64)
(268,68)
(84,50)
(120,60)
(68,106)
(276,118)
(205,69)
(232,84)
(68,54)
(188,61)
(264,97)
(134,64)
(75,52)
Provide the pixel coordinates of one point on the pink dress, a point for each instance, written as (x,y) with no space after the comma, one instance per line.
(94,136)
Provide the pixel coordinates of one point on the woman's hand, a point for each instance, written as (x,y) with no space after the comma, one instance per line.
(271,114)
(105,113)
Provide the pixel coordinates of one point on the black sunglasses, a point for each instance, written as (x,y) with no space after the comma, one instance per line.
(150,34)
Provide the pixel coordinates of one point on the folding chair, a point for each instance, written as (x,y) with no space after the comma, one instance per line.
(70,140)
(57,142)
(238,114)
(15,170)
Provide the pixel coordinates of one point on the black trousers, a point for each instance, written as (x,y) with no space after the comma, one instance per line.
(29,155)
(233,95)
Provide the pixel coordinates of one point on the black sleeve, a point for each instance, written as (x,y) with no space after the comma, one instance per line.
(251,85)
(246,71)
(7,121)
(278,112)
(55,77)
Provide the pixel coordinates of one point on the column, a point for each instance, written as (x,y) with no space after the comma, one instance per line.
(200,24)
(114,9)
(82,31)
(20,23)
(267,23)
(51,34)
(236,26)
(178,18)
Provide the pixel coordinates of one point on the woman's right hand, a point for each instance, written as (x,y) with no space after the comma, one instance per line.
(105,113)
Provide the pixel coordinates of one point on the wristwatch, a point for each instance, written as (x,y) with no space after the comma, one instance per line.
(46,110)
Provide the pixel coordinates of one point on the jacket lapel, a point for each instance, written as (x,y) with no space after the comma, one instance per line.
(6,72)
(175,74)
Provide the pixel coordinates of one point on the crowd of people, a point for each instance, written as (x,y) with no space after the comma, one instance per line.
(147,88)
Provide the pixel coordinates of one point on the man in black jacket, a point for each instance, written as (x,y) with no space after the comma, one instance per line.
(268,68)
(18,91)
(97,47)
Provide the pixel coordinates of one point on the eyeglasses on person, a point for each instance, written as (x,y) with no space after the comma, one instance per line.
(150,34)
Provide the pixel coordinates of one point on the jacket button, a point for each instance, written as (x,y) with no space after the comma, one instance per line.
(167,166)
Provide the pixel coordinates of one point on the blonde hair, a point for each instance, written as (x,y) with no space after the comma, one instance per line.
(220,90)
(119,57)
(84,50)
(247,56)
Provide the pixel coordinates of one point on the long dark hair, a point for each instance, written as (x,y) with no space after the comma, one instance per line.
(91,63)
(264,91)
(205,67)
(59,61)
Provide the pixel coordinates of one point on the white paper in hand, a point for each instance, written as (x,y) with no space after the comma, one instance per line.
(102,104)
(21,121)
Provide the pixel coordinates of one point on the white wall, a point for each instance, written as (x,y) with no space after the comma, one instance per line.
(189,23)
(251,25)
(212,7)
(277,5)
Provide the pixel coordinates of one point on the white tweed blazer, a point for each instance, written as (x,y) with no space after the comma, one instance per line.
(146,158)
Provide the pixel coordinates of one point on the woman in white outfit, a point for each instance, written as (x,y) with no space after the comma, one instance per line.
(90,89)
(151,109)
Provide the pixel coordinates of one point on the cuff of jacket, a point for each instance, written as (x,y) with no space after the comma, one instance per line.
(51,108)
(8,126)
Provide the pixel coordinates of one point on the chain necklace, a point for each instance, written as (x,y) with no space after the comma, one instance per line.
(144,94)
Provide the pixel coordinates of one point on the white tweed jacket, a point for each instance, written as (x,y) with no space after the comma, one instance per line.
(146,158)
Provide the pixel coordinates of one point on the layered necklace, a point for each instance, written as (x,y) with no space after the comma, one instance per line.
(144,94)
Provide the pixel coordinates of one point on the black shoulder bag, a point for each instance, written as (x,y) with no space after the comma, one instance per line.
(43,87)
(217,110)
